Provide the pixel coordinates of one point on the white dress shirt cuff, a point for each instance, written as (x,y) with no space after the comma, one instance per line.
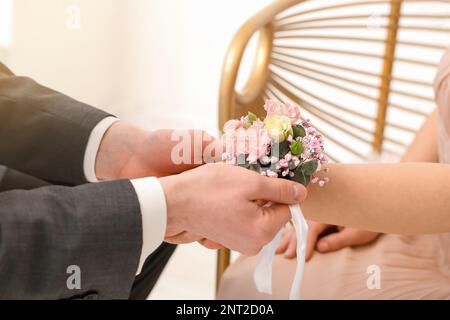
(154,215)
(93,145)
(150,193)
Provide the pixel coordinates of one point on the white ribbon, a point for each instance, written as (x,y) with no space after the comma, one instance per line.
(263,270)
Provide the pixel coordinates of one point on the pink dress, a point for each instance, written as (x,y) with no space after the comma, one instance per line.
(410,267)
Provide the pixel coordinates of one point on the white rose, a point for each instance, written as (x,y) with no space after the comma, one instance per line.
(279,127)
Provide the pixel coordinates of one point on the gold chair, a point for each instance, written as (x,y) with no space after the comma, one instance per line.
(360,70)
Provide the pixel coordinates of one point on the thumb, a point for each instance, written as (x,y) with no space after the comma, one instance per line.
(338,240)
(277,190)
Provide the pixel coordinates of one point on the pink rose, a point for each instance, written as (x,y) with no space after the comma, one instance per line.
(232,125)
(275,108)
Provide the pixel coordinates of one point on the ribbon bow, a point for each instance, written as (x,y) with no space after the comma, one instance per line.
(263,270)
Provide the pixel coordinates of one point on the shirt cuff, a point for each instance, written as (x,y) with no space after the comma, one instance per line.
(93,145)
(154,215)
(150,193)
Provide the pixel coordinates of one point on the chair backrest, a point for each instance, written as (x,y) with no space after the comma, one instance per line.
(361,70)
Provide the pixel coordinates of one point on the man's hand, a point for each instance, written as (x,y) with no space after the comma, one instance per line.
(322,238)
(222,203)
(128,152)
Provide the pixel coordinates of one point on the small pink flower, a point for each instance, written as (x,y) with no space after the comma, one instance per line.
(323,159)
(274,160)
(244,122)
(252,158)
(315,144)
(265,160)
(271,107)
(272,174)
(232,125)
(306,123)
(306,154)
(266,139)
(283,163)
(288,157)
(293,113)
(258,125)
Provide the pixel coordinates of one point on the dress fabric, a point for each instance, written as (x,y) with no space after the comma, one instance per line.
(410,267)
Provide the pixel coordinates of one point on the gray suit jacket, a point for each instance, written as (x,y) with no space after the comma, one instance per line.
(75,240)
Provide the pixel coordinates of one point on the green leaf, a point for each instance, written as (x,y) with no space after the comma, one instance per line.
(252,117)
(297,148)
(310,167)
(307,180)
(299,131)
(301,177)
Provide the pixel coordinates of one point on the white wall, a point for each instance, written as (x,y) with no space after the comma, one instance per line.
(79,62)
(154,62)
(5,23)
(172,65)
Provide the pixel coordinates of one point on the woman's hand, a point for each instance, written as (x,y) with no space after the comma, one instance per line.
(325,238)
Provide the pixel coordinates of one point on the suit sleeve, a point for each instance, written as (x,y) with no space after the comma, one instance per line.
(14,180)
(44,133)
(45,232)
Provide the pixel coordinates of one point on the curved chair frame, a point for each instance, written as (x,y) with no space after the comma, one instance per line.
(262,83)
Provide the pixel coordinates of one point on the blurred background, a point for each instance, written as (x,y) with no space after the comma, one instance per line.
(147,61)
(158,63)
